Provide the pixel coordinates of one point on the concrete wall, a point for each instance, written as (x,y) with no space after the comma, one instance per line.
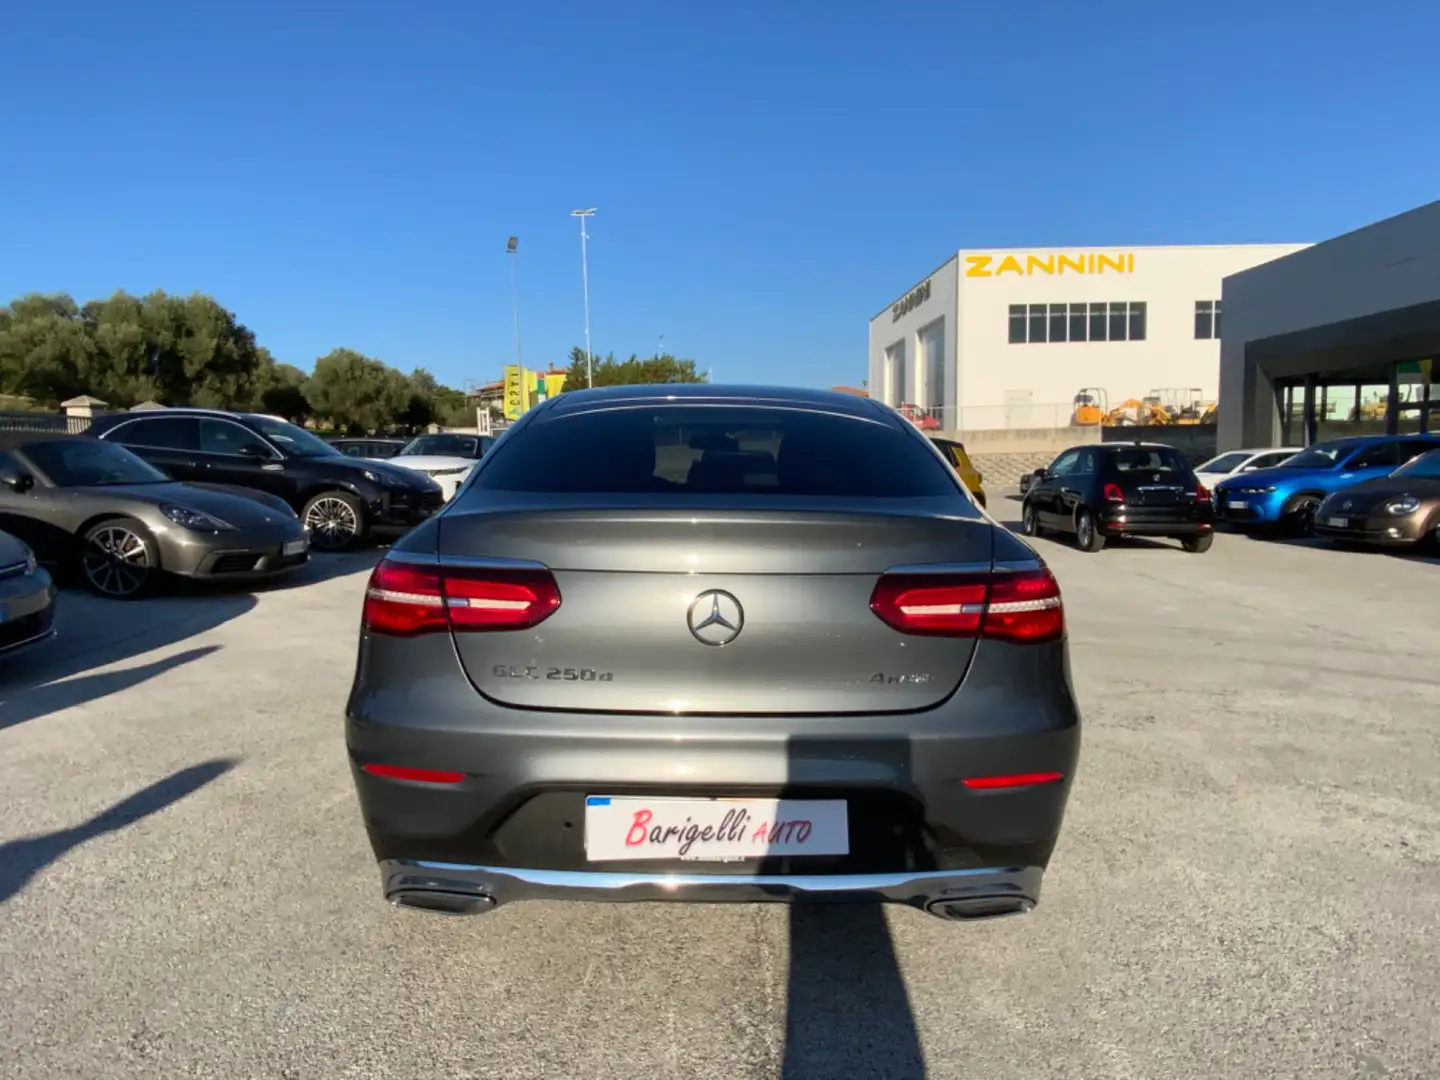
(1392,264)
(995,376)
(936,314)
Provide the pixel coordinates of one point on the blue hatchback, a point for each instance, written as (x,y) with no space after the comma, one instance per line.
(1288,494)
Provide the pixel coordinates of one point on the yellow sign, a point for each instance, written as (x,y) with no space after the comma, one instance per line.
(514,393)
(524,388)
(1084,262)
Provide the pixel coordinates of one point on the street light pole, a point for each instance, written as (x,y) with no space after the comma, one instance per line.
(585,285)
(511,248)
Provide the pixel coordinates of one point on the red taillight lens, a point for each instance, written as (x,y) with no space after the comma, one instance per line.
(1025,607)
(403,600)
(1018,606)
(950,605)
(993,783)
(1114,494)
(424,776)
(1202,492)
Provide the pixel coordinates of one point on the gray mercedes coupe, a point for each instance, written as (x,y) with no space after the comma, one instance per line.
(710,643)
(96,510)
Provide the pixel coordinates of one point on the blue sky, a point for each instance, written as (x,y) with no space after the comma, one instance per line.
(768,175)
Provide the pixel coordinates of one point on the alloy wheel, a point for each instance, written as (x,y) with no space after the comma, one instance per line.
(116,561)
(332,522)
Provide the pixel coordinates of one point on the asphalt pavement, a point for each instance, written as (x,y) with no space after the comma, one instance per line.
(1248,884)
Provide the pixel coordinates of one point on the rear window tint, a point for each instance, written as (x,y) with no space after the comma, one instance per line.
(727,450)
(1150,459)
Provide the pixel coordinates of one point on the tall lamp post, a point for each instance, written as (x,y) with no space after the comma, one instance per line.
(511,247)
(585,285)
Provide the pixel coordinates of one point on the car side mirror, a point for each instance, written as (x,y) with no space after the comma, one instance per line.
(17,481)
(1247,468)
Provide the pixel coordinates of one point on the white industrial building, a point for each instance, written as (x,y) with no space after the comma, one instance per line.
(1008,338)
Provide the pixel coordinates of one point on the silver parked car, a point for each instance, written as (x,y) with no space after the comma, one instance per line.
(121,525)
(27,597)
(699,643)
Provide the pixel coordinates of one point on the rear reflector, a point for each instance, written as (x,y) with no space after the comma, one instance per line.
(990,783)
(1018,606)
(404,600)
(426,776)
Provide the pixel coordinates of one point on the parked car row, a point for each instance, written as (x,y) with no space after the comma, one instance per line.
(1381,490)
(447,457)
(202,494)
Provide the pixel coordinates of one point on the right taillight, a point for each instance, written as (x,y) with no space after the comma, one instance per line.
(1021,606)
(1114,494)
(403,600)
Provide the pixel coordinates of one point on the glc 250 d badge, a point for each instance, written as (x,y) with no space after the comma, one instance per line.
(715,618)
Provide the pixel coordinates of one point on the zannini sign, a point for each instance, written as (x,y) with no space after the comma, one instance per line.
(1054,264)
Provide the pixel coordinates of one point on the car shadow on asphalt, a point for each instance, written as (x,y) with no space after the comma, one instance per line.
(95,633)
(21,860)
(847,1010)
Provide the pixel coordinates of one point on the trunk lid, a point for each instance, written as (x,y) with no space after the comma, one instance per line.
(701,610)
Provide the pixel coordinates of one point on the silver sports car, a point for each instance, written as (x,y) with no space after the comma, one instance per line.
(98,510)
(713,643)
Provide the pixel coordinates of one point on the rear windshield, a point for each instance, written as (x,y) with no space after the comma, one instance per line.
(728,450)
(1150,459)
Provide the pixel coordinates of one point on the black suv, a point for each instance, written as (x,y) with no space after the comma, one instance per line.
(1120,489)
(343,501)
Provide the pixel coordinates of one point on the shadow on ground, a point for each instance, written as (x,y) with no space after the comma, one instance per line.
(95,633)
(21,860)
(848,1013)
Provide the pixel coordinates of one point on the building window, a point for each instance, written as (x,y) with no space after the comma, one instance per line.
(1118,320)
(1207,319)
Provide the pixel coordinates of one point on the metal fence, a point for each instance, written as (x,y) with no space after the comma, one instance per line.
(43,421)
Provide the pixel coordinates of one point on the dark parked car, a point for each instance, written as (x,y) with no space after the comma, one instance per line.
(1120,489)
(27,598)
(368,448)
(1401,510)
(343,501)
(96,508)
(762,647)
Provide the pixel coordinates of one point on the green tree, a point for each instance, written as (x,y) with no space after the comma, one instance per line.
(284,393)
(636,371)
(356,393)
(45,351)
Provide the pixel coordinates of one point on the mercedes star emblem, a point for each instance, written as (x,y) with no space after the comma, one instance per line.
(715,618)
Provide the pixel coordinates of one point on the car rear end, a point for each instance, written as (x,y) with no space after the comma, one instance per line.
(1153,491)
(627,663)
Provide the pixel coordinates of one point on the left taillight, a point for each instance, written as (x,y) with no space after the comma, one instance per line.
(1020,606)
(404,600)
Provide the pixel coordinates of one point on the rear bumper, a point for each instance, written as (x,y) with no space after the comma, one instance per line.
(1195,520)
(459,889)
(514,826)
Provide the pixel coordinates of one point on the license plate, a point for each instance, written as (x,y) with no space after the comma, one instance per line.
(1238,504)
(295,547)
(626,827)
(1338,523)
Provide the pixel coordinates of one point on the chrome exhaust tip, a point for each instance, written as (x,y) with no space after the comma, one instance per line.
(439,902)
(971,908)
